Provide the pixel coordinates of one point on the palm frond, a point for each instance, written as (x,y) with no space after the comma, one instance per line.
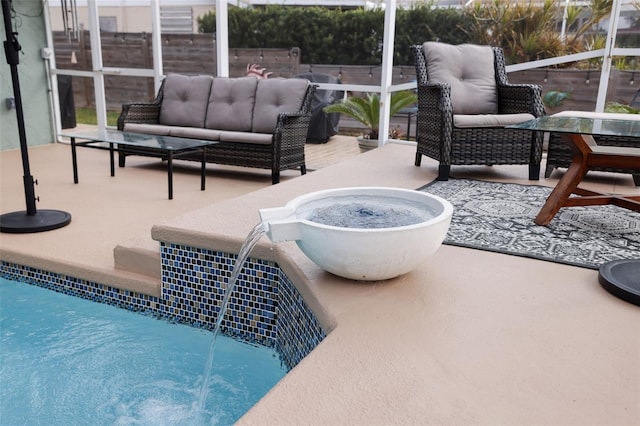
(366,109)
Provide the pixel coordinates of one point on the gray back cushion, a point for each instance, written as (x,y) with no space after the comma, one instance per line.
(276,95)
(184,100)
(469,69)
(231,103)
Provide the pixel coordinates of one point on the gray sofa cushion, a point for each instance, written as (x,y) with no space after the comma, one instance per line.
(469,70)
(184,100)
(150,129)
(246,137)
(195,133)
(276,95)
(231,103)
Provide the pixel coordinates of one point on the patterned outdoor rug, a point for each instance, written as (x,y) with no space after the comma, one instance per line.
(499,217)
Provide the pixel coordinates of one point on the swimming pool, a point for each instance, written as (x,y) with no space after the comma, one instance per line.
(66,360)
(265,308)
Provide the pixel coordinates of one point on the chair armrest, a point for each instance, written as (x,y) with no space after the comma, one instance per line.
(519,98)
(147,113)
(434,104)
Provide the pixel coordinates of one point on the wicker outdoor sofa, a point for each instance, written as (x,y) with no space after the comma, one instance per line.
(259,123)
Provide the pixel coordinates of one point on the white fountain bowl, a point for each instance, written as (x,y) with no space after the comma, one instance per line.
(357,253)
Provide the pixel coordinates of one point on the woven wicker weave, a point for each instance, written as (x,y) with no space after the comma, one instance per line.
(285,152)
(437,138)
(559,154)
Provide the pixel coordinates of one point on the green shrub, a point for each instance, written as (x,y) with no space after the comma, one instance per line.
(336,36)
(525,30)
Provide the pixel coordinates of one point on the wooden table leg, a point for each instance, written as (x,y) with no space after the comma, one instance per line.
(568,183)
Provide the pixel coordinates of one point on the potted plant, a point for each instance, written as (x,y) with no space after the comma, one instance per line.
(366,110)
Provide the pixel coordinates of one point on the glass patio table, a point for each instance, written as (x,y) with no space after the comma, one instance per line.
(586,153)
(164,147)
(619,277)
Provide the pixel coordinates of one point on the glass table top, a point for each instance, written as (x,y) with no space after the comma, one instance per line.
(169,143)
(589,126)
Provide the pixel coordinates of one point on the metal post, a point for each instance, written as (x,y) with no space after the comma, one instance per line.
(30,220)
(387,70)
(96,64)
(608,54)
(11,49)
(156,45)
(222,38)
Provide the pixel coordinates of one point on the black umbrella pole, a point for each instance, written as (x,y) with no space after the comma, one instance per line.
(11,49)
(30,220)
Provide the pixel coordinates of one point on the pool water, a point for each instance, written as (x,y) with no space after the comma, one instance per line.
(66,360)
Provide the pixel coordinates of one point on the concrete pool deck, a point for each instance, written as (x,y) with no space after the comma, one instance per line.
(472,337)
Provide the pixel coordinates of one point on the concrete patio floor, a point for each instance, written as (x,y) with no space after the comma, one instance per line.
(110,211)
(471,338)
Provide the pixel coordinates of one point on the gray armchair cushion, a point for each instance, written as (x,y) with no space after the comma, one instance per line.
(601,115)
(490,120)
(276,95)
(184,100)
(469,70)
(231,103)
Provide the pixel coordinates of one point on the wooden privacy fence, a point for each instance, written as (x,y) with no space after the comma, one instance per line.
(195,54)
(181,53)
(582,86)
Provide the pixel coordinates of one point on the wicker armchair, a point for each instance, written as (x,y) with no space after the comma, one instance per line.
(462,114)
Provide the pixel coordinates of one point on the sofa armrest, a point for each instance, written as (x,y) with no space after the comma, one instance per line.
(291,130)
(308,99)
(147,113)
(519,98)
(292,127)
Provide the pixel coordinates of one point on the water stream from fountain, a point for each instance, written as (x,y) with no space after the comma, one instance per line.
(252,239)
(365,212)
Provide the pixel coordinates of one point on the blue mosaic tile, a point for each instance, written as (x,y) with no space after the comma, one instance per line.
(81,288)
(201,291)
(299,332)
(265,307)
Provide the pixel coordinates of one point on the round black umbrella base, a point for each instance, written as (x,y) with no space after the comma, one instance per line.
(43,220)
(622,279)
